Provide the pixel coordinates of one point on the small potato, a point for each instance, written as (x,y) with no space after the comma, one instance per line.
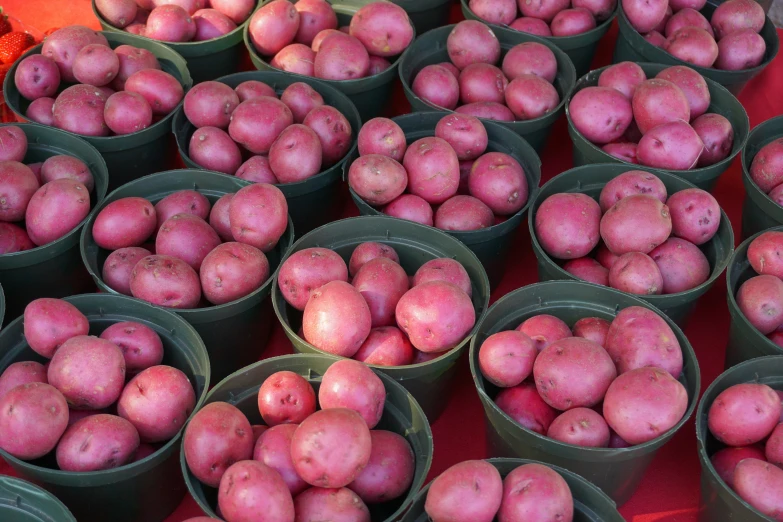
(600,9)
(506,358)
(636,223)
(643,404)
(249,486)
(217,436)
(141,347)
(758,483)
(692,85)
(383,28)
(218,216)
(165,281)
(636,273)
(573,372)
(683,266)
(253,89)
(568,225)
(321,36)
(18,185)
(119,13)
(132,59)
(307,270)
(571,22)
(257,170)
(182,202)
(546,495)
(314,16)
(725,461)
(464,213)
(301,98)
(766,169)
(412,208)
(592,328)
(588,269)
(33,417)
(118,267)
(580,427)
(296,154)
(389,472)
(600,114)
(382,283)
(210,104)
(624,77)
(37,76)
(674,145)
(353,385)
(331,447)
(695,215)
(428,155)
(382,136)
(40,111)
(764,253)
(79,109)
(472,42)
(760,299)
(438,86)
(466,135)
(386,346)
(530,97)
(330,504)
(498,180)
(333,130)
(48,323)
(631,183)
(639,337)
(96,443)
(64,44)
(744,414)
(127,112)
(368,251)
(741,50)
(717,134)
(232,271)
(13,239)
(96,65)
(444,269)
(378,65)
(531,25)
(211,24)
(186,237)
(170,23)
(773,448)
(19,373)
(687,17)
(659,101)
(337,319)
(259,216)
(161,90)
(645,16)
(693,45)
(526,407)
(682,4)
(273,448)
(482,82)
(498,12)
(62,166)
(377,179)
(295,58)
(341,57)
(285,398)
(530,58)
(545,10)
(736,15)
(471,490)
(213,149)
(56,209)
(487,110)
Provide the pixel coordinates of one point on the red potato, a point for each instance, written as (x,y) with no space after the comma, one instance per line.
(725,461)
(573,372)
(181,202)
(692,85)
(760,299)
(600,9)
(482,82)
(186,237)
(570,22)
(764,254)
(428,155)
(211,24)
(40,111)
(37,76)
(592,328)
(75,416)
(64,44)
(273,448)
(132,60)
(645,16)
(331,447)
(314,16)
(79,109)
(737,15)
(258,430)
(88,371)
(217,436)
(295,58)
(36,168)
(470,490)
(274,26)
(526,407)
(506,358)
(341,57)
(543,9)
(353,385)
(531,97)
(438,86)
(687,17)
(674,146)
(544,329)
(420,357)
(232,271)
(636,273)
(390,470)
(137,28)
(170,23)
(656,39)
(48,323)
(581,427)
(766,169)
(333,504)
(451,68)
(253,89)
(377,179)
(498,12)
(693,45)
(639,337)
(386,346)
(18,185)
(466,135)
(464,213)
(190,6)
(382,283)
(412,208)
(472,42)
(33,417)
(165,281)
(321,36)
(161,90)
(325,314)
(741,50)
(682,265)
(13,239)
(213,149)
(744,414)
(257,170)
(236,10)
(285,398)
(382,136)
(249,487)
(717,135)
(127,112)
(119,13)
(301,98)
(218,216)
(546,495)
(568,225)
(531,25)
(56,209)
(141,347)
(600,114)
(487,110)
(588,269)
(695,215)
(530,58)
(444,269)
(307,270)
(636,223)
(210,104)
(96,443)
(259,216)
(773,449)
(624,77)
(682,4)
(368,251)
(383,28)
(758,483)
(659,101)
(96,65)
(631,183)
(296,154)
(19,373)
(615,441)
(333,130)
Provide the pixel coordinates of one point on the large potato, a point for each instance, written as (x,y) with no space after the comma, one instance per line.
(692,85)
(637,223)
(717,134)
(256,124)
(766,170)
(126,222)
(644,16)
(165,281)
(412,208)
(464,213)
(636,273)
(333,130)
(544,329)
(62,166)
(210,104)
(568,225)
(256,170)
(341,57)
(140,345)
(383,28)
(386,346)
(307,270)
(527,24)
(437,85)
(444,269)
(428,155)
(274,26)
(314,16)
(506,358)
(96,443)
(482,82)
(687,17)
(79,109)
(377,179)
(63,45)
(530,97)
(213,149)
(736,15)
(382,136)
(337,319)
(132,60)
(580,427)
(37,76)
(624,77)
(659,101)
(285,398)
(765,253)
(96,65)
(353,385)
(472,42)
(119,265)
(744,414)
(600,114)
(300,97)
(259,216)
(48,323)
(186,237)
(19,373)
(682,265)
(161,90)
(773,449)
(170,23)
(759,484)
(18,184)
(760,299)
(273,448)
(471,490)
(674,145)
(741,50)
(56,209)
(695,215)
(295,58)
(499,12)
(628,184)
(693,45)
(296,154)
(33,417)
(231,271)
(571,22)
(466,135)
(390,470)
(530,58)
(526,407)
(543,9)
(546,495)
(250,487)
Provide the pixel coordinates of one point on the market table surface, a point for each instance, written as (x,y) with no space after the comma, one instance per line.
(670,490)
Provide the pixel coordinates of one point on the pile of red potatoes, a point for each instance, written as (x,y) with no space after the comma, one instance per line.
(766,170)
(556,18)
(760,298)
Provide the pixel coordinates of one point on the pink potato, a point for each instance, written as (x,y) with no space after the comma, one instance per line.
(692,85)
(331,447)
(161,90)
(211,24)
(258,430)
(259,216)
(570,22)
(13,239)
(437,85)
(526,407)
(717,135)
(236,10)
(736,15)
(306,271)
(450,67)
(186,237)
(96,65)
(764,253)
(412,208)
(33,417)
(383,28)
(314,16)
(725,461)
(251,487)
(498,12)
(766,169)
(341,57)
(682,265)
(682,4)
(56,209)
(643,404)
(436,315)
(744,414)
(386,346)
(132,60)
(645,16)
(210,104)
(333,130)
(75,416)
(285,398)
(545,495)
(232,271)
(639,337)
(127,112)
(382,283)
(487,110)
(48,323)
(377,179)
(567,225)
(600,114)
(96,443)
(301,98)
(592,328)
(695,215)
(274,26)
(530,97)
(334,504)
(631,183)
(165,281)
(337,319)
(659,101)
(273,448)
(531,25)
(636,273)
(587,269)
(190,6)
(253,89)
(464,213)
(40,111)
(140,345)
(170,23)
(295,58)
(18,185)
(466,135)
(573,372)
(600,9)
(378,65)
(506,358)
(296,154)
(581,427)
(213,149)
(530,58)
(741,50)
(36,168)
(368,251)
(482,82)
(257,170)
(390,470)
(382,136)
(63,45)
(321,36)
(544,329)
(687,17)
(79,109)
(353,385)
(624,77)
(217,436)
(219,218)
(760,299)
(773,449)
(543,9)
(693,45)
(636,223)
(758,483)
(182,202)
(472,42)
(444,269)
(428,155)
(19,373)
(674,146)
(37,76)
(470,490)
(119,13)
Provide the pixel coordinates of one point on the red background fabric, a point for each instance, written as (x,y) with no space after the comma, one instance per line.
(670,490)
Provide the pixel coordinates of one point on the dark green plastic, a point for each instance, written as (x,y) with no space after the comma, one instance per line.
(719,503)
(759,211)
(235,333)
(590,503)
(134,155)
(429,382)
(426,15)
(401,415)
(430,49)
(144,491)
(618,472)
(580,48)
(370,95)
(2,306)
(632,47)
(491,245)
(314,201)
(722,102)
(206,60)
(21,501)
(590,179)
(53,270)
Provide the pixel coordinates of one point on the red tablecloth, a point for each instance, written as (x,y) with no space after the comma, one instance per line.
(670,490)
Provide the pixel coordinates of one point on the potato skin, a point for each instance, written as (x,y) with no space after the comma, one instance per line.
(693,45)
(631,183)
(637,223)
(744,414)
(636,273)
(692,84)
(600,114)
(353,385)
(126,222)
(526,407)
(546,495)
(645,16)
(186,237)
(444,269)
(19,373)
(472,42)
(56,209)
(464,213)
(382,283)
(337,319)
(285,398)
(544,329)
(674,145)
(383,28)
(333,504)
(581,427)
(377,179)
(259,216)
(736,15)
(568,225)
(624,77)
(141,346)
(386,346)
(764,254)
(48,323)
(96,443)
(471,490)
(588,269)
(33,417)
(498,181)
(161,90)
(273,448)
(165,281)
(725,461)
(306,271)
(249,487)
(118,267)
(759,484)
(390,470)
(412,208)
(274,26)
(424,156)
(682,265)
(592,328)
(760,299)
(382,136)
(368,251)
(232,271)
